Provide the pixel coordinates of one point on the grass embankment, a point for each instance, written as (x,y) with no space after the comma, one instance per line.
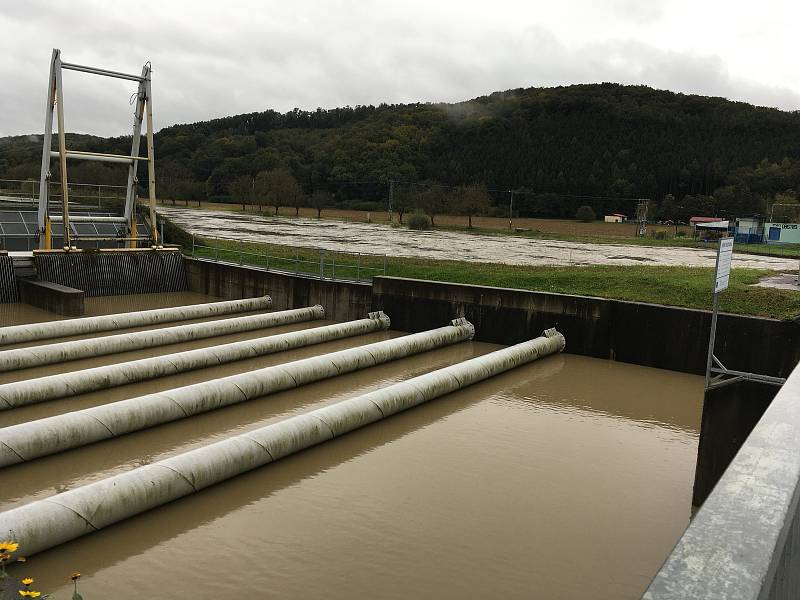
(674,286)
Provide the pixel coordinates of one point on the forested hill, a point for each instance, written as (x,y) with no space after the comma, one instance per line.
(582,140)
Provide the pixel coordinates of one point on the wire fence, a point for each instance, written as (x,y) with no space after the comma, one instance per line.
(313,262)
(26,191)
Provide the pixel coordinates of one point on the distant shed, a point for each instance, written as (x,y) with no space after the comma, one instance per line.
(702,220)
(782,233)
(616,218)
(749,230)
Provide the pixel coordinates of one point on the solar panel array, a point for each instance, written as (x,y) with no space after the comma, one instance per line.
(18,231)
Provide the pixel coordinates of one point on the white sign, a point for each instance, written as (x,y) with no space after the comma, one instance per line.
(723,264)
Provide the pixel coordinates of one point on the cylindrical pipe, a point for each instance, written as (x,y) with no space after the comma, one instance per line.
(35,356)
(32,391)
(27,441)
(19,334)
(46,523)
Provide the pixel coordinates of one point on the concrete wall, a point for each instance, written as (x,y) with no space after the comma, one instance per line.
(113,272)
(643,334)
(54,297)
(8,280)
(744,543)
(343,301)
(729,415)
(632,332)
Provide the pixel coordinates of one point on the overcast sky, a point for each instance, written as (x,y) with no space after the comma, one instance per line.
(213,59)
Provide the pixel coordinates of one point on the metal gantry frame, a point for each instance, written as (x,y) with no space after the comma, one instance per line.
(641,217)
(142,114)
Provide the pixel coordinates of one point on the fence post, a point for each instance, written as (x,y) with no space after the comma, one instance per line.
(384,265)
(296,261)
(192,245)
(241,251)
(333,264)
(322,263)
(358,267)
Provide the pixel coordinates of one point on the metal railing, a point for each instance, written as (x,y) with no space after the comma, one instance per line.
(26,191)
(311,262)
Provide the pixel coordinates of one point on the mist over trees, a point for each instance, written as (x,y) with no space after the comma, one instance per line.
(558,148)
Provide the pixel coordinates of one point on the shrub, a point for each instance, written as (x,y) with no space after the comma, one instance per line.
(419,221)
(660,234)
(585,214)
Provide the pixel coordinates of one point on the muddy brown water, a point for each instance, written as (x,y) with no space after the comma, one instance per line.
(567,478)
(343,236)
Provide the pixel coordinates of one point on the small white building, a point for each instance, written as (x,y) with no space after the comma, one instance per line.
(782,233)
(616,218)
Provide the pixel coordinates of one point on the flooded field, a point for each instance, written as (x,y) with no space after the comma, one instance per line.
(570,477)
(343,236)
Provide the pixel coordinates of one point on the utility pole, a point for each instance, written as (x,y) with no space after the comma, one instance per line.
(510,208)
(391,198)
(253,191)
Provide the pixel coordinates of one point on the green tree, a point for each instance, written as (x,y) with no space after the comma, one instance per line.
(403,199)
(471,200)
(320,199)
(585,214)
(666,212)
(434,201)
(278,187)
(241,191)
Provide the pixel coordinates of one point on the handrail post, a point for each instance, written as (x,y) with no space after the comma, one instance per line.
(322,263)
(333,265)
(192,245)
(358,267)
(241,252)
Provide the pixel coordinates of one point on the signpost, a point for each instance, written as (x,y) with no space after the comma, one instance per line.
(716,372)
(722,275)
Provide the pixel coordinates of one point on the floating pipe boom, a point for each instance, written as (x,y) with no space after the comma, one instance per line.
(48,354)
(47,523)
(32,391)
(19,334)
(27,441)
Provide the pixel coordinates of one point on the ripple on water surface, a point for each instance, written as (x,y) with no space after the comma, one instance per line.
(567,478)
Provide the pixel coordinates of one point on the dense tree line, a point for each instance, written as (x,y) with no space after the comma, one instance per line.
(556,148)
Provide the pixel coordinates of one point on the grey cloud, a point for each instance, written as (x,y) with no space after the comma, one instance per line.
(224,59)
(638,11)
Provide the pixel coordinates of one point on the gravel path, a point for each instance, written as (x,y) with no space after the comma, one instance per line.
(446,245)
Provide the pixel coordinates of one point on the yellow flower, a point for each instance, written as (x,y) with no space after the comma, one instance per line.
(75,576)
(27,581)
(29,594)
(8,546)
